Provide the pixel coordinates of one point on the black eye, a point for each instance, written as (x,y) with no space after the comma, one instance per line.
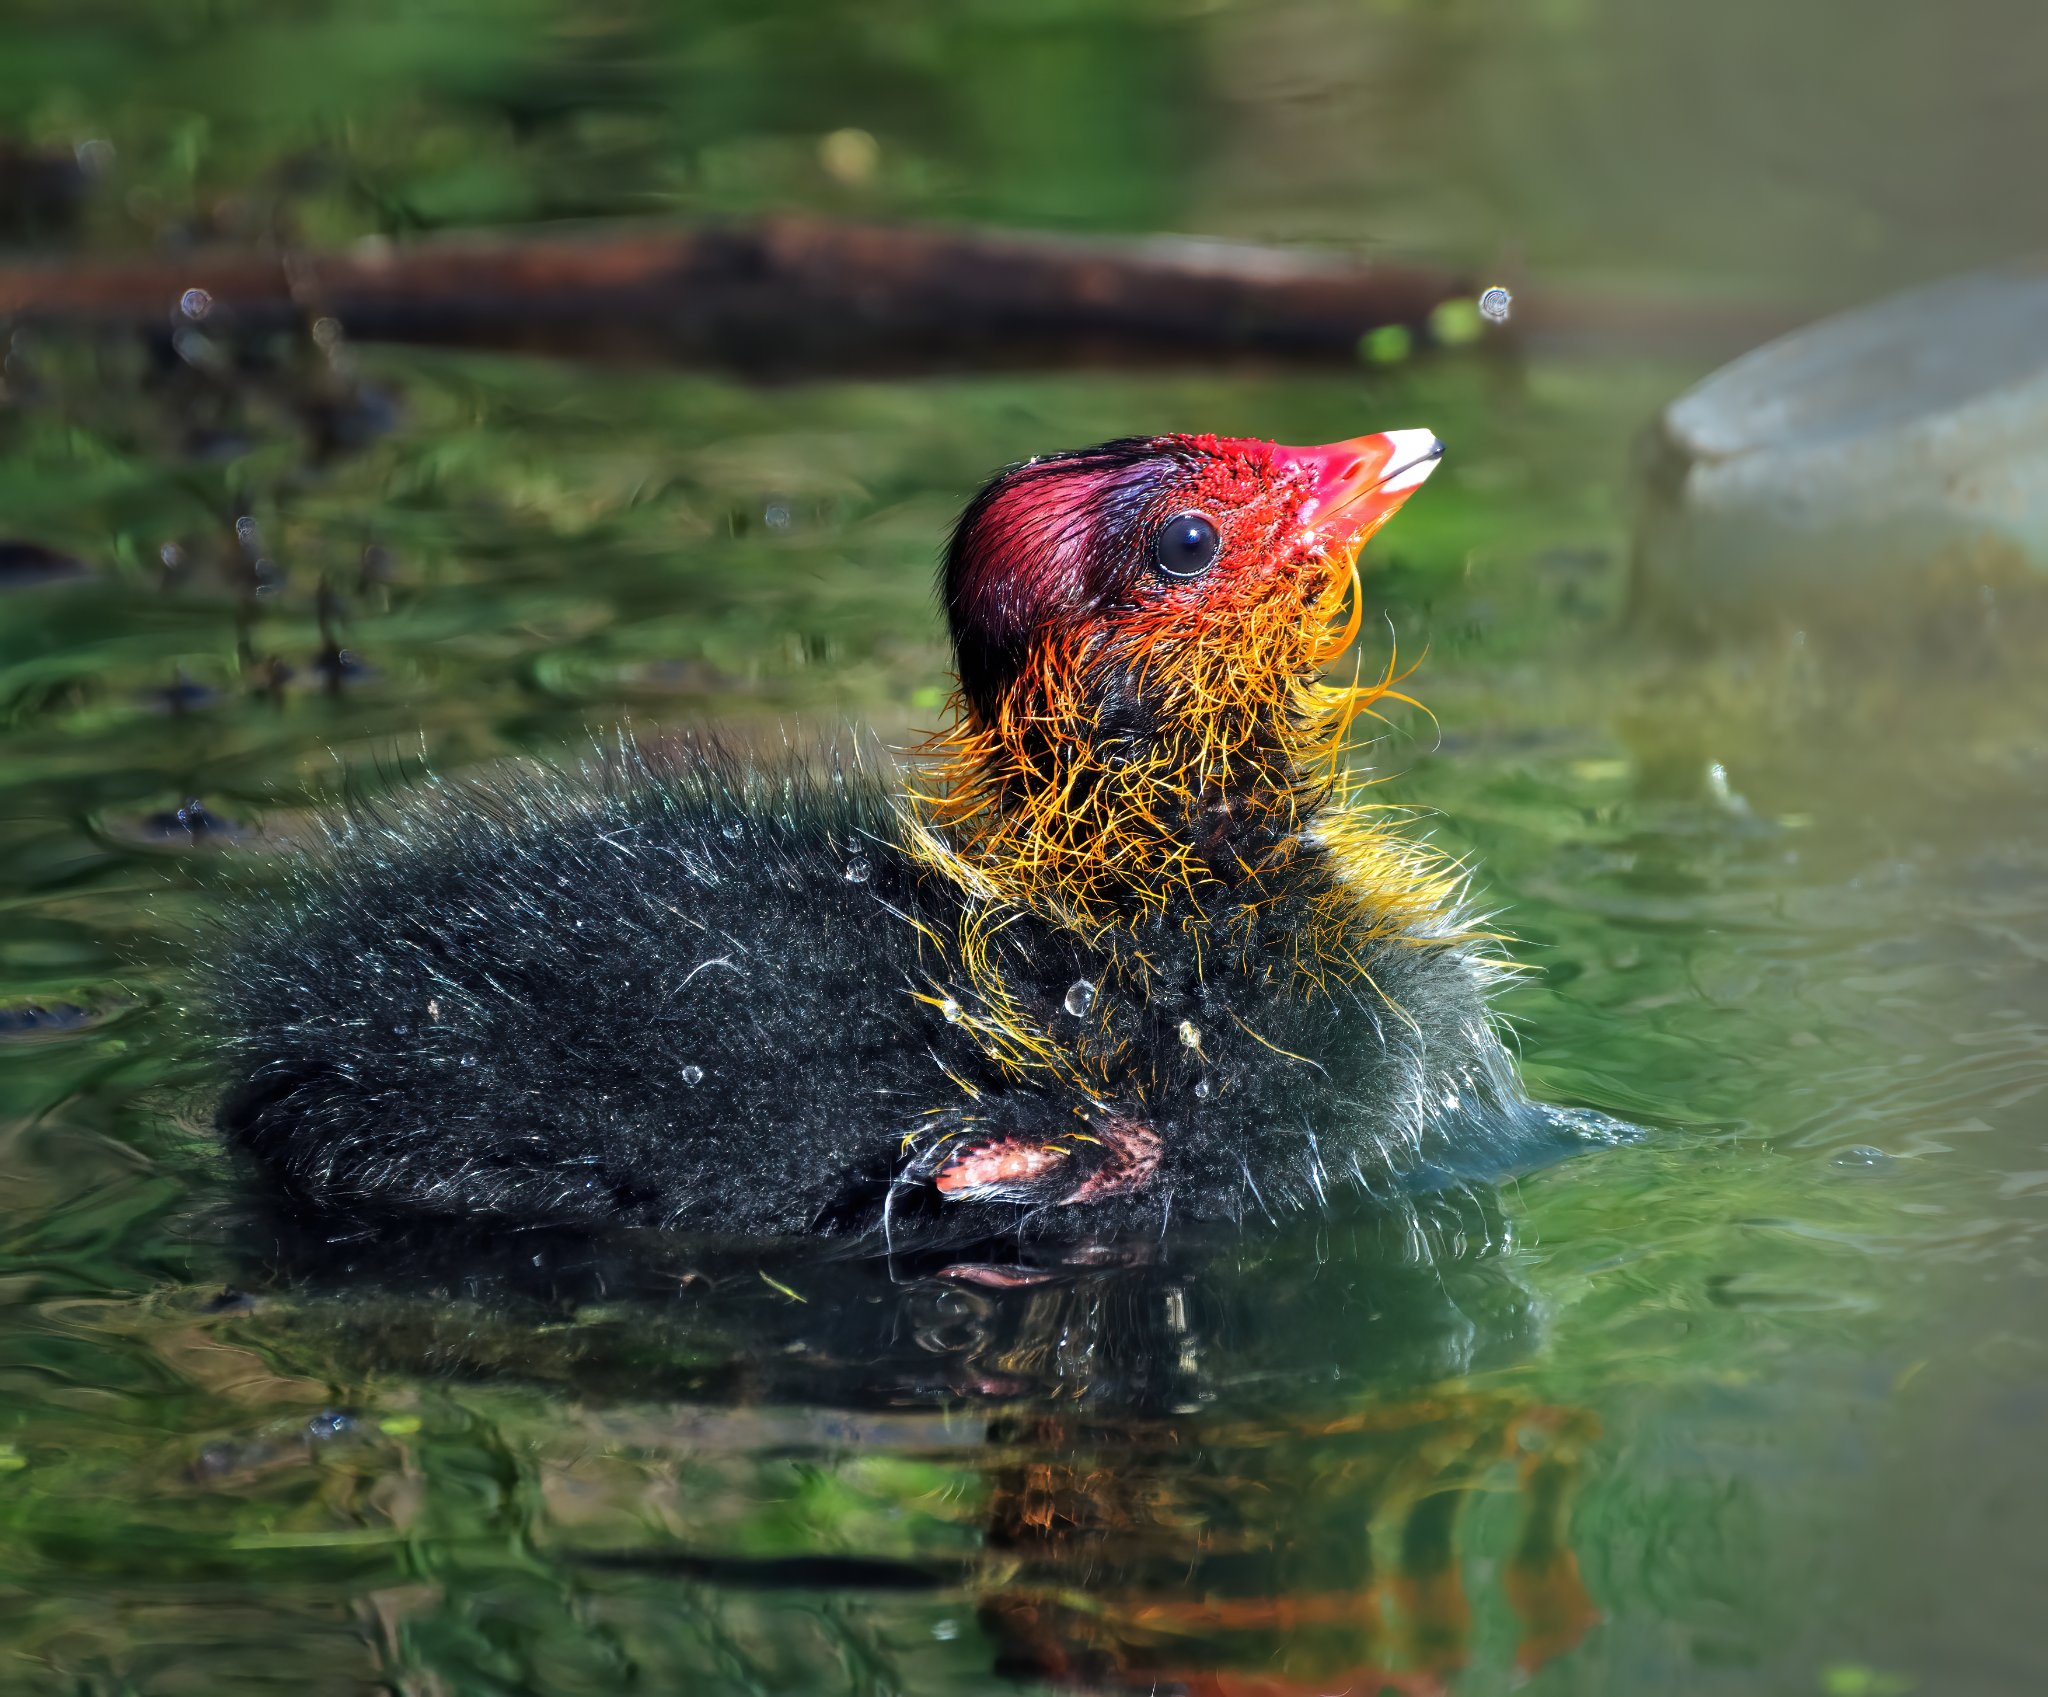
(1185,546)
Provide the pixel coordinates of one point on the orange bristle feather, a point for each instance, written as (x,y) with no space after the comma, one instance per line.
(1032,807)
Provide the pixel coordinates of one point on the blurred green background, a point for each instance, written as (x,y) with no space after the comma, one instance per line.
(1842,146)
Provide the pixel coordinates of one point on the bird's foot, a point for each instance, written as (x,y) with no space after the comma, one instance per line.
(1115,1157)
(1131,1151)
(1005,1168)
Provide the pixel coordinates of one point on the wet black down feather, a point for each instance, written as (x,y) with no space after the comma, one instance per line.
(687,995)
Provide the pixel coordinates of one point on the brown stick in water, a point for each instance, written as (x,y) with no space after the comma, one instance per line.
(789,297)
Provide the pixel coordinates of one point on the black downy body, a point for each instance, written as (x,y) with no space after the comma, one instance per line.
(689,993)
(684,996)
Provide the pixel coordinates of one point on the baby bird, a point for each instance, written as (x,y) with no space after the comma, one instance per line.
(1122,950)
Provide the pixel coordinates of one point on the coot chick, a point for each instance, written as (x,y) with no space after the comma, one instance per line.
(1123,950)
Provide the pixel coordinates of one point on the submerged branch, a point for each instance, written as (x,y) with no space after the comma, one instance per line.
(791,297)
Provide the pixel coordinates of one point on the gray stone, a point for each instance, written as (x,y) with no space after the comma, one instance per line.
(1869,469)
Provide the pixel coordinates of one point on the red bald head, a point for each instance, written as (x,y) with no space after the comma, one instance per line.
(1145,529)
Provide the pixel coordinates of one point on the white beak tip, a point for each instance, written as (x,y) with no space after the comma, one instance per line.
(1414,456)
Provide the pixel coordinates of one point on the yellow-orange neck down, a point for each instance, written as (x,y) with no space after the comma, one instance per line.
(1230,789)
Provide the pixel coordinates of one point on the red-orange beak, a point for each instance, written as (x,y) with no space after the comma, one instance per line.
(1356,486)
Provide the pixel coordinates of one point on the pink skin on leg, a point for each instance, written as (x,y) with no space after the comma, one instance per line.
(1133,1157)
(989,1166)
(988,1171)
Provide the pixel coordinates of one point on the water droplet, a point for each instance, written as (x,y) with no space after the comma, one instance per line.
(1191,1034)
(1080,998)
(1496,304)
(693,1074)
(195,304)
(1202,1089)
(1862,1155)
(945,1631)
(329,1423)
(858,871)
(951,1009)
(733,830)
(469,1060)
(776,516)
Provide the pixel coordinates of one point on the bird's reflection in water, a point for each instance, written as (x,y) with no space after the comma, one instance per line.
(1240,1557)
(1242,1466)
